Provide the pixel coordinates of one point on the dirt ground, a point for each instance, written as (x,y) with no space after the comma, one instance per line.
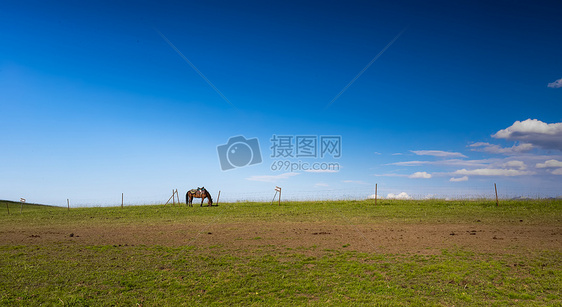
(377,238)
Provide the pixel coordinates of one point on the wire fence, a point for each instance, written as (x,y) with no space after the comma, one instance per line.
(394,192)
(360,192)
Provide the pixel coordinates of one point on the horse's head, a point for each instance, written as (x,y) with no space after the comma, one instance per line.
(208,196)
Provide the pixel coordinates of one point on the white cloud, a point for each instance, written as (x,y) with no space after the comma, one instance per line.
(496,149)
(549,163)
(533,131)
(463,178)
(423,175)
(271,178)
(556,84)
(557,171)
(372,196)
(449,162)
(411,163)
(515,164)
(438,153)
(529,126)
(492,172)
(402,195)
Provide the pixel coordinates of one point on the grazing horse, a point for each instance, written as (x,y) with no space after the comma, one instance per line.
(198,193)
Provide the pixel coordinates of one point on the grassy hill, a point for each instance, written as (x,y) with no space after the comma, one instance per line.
(13,206)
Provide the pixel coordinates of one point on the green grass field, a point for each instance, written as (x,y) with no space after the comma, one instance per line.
(57,257)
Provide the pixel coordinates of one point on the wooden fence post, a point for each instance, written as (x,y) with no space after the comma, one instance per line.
(68,204)
(173,196)
(274,195)
(218,197)
(375,194)
(497,202)
(121,200)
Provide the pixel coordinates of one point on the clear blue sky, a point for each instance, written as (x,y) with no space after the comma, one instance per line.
(96,99)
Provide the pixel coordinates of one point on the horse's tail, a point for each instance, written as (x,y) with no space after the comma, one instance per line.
(187,198)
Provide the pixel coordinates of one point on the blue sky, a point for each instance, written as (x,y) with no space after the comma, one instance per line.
(98,98)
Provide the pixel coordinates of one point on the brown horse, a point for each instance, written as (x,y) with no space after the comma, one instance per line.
(198,193)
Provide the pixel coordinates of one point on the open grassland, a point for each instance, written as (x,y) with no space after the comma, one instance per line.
(305,253)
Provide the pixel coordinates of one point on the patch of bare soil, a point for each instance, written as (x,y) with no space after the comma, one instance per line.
(377,238)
